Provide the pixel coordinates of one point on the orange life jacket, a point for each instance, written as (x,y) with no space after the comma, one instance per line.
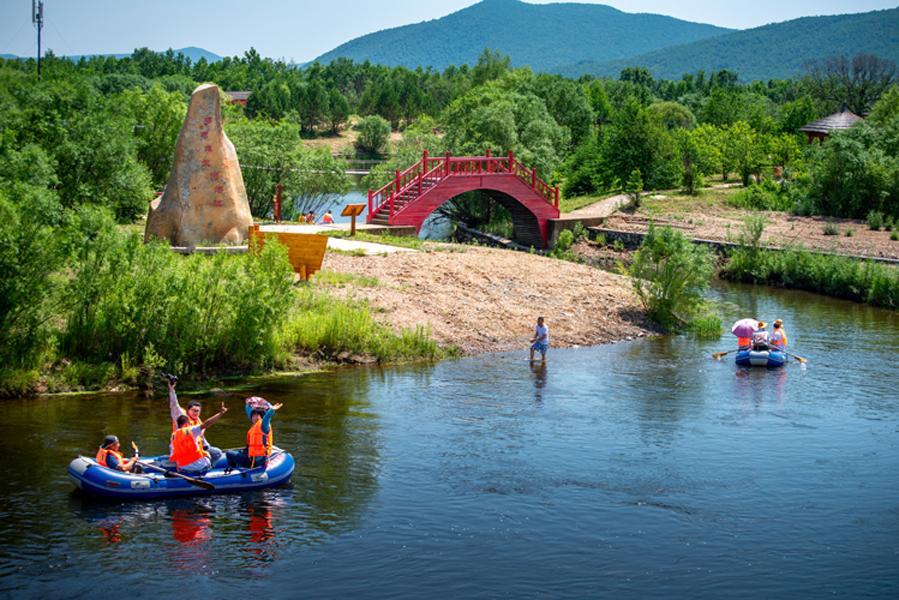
(779,338)
(743,342)
(185,449)
(193,422)
(102,453)
(258,443)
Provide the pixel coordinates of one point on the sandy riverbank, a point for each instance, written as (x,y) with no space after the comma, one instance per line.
(487,300)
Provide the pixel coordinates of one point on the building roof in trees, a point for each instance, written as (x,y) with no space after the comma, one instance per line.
(839,120)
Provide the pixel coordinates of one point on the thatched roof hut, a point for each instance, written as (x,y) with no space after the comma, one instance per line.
(818,130)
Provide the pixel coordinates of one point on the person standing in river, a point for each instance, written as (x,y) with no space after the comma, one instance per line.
(540,341)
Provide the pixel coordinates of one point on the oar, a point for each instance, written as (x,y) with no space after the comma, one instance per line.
(191,480)
(720,355)
(796,356)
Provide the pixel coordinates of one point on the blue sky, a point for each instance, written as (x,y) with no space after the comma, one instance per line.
(303,29)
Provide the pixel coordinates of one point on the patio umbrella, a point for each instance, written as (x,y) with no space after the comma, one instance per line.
(744,328)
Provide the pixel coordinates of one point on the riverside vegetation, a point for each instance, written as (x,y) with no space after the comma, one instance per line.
(82,303)
(841,277)
(86,305)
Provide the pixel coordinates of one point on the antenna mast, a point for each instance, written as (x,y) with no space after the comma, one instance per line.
(37,18)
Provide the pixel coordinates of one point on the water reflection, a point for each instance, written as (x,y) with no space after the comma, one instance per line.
(539,377)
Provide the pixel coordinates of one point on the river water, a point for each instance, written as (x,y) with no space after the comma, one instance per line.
(628,471)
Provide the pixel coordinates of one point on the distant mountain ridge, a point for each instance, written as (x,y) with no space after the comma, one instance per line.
(191,52)
(542,36)
(778,50)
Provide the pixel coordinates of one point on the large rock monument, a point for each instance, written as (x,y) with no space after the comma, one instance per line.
(204,200)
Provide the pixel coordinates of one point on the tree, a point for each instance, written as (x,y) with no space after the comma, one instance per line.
(634,187)
(672,115)
(744,150)
(635,141)
(373,134)
(158,116)
(669,274)
(858,82)
(271,154)
(339,110)
(492,64)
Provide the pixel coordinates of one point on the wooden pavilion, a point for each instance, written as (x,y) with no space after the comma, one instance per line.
(818,130)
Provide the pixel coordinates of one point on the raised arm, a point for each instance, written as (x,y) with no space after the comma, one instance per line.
(211,420)
(267,418)
(174,408)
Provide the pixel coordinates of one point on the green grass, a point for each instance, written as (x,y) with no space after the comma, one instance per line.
(322,325)
(335,279)
(402,241)
(682,203)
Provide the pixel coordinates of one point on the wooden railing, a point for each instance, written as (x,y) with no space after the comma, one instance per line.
(430,171)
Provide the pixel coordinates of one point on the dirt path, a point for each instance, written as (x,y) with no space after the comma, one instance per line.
(603,208)
(724,223)
(487,300)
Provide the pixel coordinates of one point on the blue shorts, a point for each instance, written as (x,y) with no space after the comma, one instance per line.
(540,347)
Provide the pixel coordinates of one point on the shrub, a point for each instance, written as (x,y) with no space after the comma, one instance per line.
(634,187)
(888,223)
(198,313)
(831,229)
(875,220)
(850,232)
(373,134)
(669,274)
(841,277)
(895,236)
(765,196)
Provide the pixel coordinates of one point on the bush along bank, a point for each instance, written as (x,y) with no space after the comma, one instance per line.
(796,268)
(115,311)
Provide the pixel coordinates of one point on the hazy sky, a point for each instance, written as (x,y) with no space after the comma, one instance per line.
(303,29)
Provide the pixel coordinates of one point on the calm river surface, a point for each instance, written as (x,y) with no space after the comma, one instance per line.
(634,470)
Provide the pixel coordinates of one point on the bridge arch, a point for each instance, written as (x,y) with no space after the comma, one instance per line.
(421,189)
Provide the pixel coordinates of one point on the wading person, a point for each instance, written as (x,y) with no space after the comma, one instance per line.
(109,456)
(260,438)
(540,341)
(192,413)
(187,449)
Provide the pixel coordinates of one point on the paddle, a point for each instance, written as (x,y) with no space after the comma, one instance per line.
(191,480)
(719,355)
(796,356)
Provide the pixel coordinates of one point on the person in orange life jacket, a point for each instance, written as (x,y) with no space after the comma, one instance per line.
(193,416)
(779,335)
(187,450)
(760,337)
(109,456)
(260,439)
(327,218)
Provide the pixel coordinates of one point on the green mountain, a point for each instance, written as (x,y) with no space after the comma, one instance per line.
(774,51)
(540,36)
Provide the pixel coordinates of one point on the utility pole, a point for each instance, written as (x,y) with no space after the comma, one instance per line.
(37,18)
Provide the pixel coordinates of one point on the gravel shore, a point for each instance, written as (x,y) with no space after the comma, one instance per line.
(488,300)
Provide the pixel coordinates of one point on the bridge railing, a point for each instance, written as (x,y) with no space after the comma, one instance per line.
(432,170)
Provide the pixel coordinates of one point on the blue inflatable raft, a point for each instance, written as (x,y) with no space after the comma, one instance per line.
(97,480)
(761,358)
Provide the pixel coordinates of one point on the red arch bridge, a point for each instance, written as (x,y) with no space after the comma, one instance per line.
(416,192)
